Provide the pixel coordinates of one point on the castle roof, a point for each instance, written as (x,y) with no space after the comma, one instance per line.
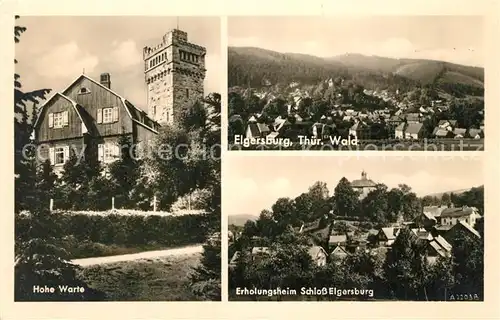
(364,182)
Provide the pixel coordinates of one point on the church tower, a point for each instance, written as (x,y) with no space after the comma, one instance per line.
(174,74)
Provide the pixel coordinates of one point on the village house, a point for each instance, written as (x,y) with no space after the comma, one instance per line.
(447,124)
(363,186)
(414,131)
(439,132)
(318,255)
(413,118)
(438,247)
(431,216)
(422,234)
(452,216)
(475,133)
(257,130)
(399,132)
(234,259)
(259,252)
(339,253)
(463,227)
(459,133)
(336,240)
(387,236)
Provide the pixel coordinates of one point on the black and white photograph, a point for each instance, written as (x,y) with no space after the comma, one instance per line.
(358,229)
(117,158)
(378,83)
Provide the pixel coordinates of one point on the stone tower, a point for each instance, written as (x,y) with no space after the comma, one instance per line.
(174,74)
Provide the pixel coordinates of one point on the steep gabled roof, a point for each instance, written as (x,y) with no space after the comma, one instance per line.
(339,238)
(414,128)
(76,107)
(458,212)
(390,233)
(129,107)
(469,228)
(314,251)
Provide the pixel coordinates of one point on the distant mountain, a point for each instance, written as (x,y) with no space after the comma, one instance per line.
(255,66)
(440,194)
(240,219)
(456,192)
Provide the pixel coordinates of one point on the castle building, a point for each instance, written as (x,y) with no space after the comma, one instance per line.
(174,74)
(363,186)
(90,117)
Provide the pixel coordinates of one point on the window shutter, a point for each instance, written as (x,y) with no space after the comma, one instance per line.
(66,153)
(117,151)
(52,156)
(51,120)
(100,152)
(99,115)
(115,114)
(65,118)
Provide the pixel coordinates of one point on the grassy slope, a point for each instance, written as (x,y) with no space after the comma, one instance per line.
(162,279)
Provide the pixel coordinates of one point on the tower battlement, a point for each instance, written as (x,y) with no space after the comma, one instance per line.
(174,36)
(174,72)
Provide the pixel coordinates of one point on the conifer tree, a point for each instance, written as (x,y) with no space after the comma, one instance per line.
(39,258)
(124,172)
(206,278)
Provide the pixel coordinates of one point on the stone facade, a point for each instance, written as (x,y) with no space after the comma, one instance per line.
(174,74)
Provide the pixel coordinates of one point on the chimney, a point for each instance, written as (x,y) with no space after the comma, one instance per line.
(106,80)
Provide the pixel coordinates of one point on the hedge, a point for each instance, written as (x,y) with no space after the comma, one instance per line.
(127,230)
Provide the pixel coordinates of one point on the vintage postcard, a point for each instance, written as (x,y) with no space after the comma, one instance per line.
(383,83)
(117,158)
(367,229)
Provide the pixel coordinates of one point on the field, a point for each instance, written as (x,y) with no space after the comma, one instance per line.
(160,279)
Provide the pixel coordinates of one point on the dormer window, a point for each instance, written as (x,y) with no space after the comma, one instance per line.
(84,90)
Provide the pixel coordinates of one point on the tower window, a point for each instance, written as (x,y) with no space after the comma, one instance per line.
(187,93)
(84,90)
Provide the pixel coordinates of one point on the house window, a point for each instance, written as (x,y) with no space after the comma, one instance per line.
(107,115)
(59,155)
(58,119)
(108,152)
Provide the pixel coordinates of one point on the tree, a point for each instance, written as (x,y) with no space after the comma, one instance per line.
(441,278)
(24,165)
(206,278)
(39,258)
(346,201)
(124,172)
(405,267)
(468,261)
(376,205)
(77,174)
(45,183)
(445,199)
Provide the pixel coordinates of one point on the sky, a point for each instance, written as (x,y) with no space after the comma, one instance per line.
(258,181)
(457,39)
(55,50)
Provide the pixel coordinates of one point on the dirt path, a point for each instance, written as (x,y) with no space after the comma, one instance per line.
(137,256)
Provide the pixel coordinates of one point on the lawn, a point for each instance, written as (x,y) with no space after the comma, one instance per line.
(161,279)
